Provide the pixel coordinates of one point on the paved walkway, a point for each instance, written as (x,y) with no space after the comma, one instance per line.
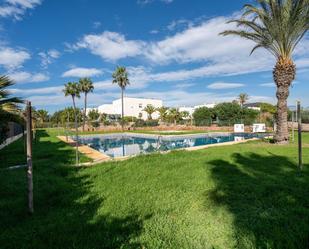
(93,154)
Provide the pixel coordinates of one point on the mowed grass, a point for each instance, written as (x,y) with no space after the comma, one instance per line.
(242,196)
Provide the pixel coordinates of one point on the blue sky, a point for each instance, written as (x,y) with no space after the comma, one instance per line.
(171,49)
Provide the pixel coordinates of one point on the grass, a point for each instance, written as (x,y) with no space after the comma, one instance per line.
(242,196)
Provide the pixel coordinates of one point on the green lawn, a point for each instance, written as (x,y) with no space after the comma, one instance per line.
(241,196)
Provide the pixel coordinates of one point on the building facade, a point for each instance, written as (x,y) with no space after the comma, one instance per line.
(133,107)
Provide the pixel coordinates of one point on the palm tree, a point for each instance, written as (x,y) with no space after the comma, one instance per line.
(9,106)
(42,115)
(120,77)
(86,86)
(277,26)
(242,98)
(72,89)
(7,103)
(162,112)
(149,109)
(174,115)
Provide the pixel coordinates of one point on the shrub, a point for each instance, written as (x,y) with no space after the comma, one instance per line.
(128,119)
(203,116)
(232,113)
(143,123)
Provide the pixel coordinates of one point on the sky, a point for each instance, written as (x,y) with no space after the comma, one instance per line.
(171,49)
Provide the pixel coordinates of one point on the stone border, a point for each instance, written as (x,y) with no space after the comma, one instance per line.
(99,157)
(93,154)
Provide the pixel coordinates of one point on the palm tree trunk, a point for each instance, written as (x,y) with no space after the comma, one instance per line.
(122,110)
(85,107)
(76,131)
(282,133)
(284,73)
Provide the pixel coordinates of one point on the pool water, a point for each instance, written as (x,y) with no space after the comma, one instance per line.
(128,144)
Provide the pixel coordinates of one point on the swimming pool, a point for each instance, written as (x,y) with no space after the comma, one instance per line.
(128,144)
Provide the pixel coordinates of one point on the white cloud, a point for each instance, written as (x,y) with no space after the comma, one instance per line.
(12,58)
(110,46)
(17,8)
(224,85)
(96,25)
(26,77)
(49,57)
(270,84)
(145,2)
(35,91)
(179,23)
(154,31)
(184,85)
(82,72)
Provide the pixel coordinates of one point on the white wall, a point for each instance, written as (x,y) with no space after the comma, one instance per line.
(132,107)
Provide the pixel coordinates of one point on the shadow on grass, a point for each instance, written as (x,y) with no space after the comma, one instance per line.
(267,197)
(66,210)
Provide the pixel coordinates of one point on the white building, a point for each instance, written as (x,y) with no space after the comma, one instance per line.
(191,110)
(133,107)
(212,105)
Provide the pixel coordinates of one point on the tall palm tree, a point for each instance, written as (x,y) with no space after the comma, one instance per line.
(72,89)
(162,112)
(243,98)
(120,77)
(149,109)
(86,86)
(277,26)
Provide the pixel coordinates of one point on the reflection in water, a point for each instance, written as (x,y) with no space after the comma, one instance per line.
(126,145)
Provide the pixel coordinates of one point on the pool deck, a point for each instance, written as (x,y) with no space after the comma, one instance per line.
(99,157)
(94,155)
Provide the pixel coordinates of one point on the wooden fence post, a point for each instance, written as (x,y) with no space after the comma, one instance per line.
(300,156)
(29,158)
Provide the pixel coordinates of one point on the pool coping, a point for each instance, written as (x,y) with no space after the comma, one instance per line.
(99,157)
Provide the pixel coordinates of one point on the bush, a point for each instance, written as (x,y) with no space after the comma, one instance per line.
(231,113)
(228,113)
(148,123)
(203,116)
(305,117)
(249,116)
(95,124)
(128,119)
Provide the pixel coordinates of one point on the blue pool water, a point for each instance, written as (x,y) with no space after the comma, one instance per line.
(127,144)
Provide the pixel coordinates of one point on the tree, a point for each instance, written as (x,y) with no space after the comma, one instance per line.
(228,113)
(174,115)
(149,109)
(243,98)
(86,86)
(42,116)
(277,26)
(120,77)
(202,116)
(9,106)
(72,89)
(94,115)
(162,113)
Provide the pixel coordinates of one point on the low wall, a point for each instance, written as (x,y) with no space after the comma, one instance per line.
(10,140)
